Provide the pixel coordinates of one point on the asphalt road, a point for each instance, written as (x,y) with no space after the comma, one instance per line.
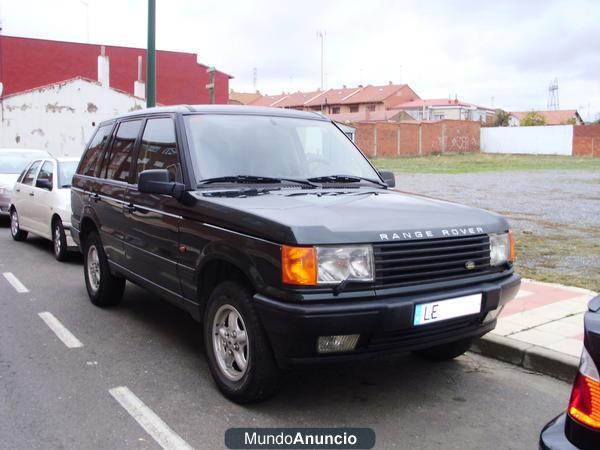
(52,396)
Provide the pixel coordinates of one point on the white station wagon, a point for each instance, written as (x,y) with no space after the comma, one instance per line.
(41,203)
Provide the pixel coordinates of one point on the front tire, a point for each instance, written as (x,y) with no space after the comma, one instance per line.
(239,355)
(15,231)
(104,288)
(446,352)
(59,240)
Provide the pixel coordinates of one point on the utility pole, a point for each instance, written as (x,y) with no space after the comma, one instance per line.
(87,19)
(211,86)
(151,56)
(321,34)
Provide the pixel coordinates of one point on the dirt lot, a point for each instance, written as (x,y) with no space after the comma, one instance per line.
(555,215)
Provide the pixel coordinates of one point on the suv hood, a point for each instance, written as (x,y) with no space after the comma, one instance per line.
(329,216)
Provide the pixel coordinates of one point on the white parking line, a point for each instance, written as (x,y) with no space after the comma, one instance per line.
(149,421)
(14,281)
(59,329)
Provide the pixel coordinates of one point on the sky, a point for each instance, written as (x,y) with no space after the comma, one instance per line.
(496,54)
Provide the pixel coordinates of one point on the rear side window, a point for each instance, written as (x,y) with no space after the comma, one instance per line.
(30,174)
(91,159)
(158,149)
(121,150)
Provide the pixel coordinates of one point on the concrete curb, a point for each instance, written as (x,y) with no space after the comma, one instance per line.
(528,356)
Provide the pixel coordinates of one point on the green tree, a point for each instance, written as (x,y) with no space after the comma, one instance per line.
(533,119)
(502,118)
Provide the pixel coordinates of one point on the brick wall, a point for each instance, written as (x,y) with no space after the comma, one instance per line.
(586,140)
(388,140)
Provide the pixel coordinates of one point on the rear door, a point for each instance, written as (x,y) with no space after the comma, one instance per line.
(108,191)
(23,197)
(152,223)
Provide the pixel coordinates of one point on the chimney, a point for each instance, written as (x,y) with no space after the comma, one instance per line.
(139,87)
(103,68)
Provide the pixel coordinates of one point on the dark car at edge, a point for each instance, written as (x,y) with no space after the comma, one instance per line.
(271,228)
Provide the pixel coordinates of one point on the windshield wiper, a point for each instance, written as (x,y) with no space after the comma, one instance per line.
(255,179)
(345,179)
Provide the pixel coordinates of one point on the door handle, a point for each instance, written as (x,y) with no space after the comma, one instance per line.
(94,197)
(31,194)
(129,208)
(18,190)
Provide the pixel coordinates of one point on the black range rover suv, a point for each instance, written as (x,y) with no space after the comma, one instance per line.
(271,228)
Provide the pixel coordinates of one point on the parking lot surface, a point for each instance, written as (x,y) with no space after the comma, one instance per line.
(554,214)
(55,396)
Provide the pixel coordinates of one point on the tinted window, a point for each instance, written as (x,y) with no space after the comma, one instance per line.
(158,149)
(46,172)
(91,159)
(120,153)
(30,175)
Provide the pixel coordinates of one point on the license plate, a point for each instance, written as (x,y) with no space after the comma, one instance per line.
(447,309)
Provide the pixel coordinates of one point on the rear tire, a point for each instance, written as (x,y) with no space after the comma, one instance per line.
(239,355)
(15,231)
(59,240)
(104,288)
(446,352)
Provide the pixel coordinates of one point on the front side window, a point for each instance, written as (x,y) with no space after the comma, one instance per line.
(30,174)
(158,148)
(119,162)
(231,145)
(91,160)
(46,175)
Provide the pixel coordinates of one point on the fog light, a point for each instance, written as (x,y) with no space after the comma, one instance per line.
(332,344)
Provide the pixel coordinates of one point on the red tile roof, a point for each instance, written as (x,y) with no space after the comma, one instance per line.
(433,102)
(557,117)
(370,116)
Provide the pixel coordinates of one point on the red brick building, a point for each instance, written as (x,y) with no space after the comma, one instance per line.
(27,63)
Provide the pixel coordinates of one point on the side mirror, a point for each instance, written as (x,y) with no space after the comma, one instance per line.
(388,177)
(158,181)
(44,184)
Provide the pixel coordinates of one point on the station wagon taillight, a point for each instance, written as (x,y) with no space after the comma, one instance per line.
(584,406)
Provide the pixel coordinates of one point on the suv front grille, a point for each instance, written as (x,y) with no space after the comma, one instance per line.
(430,260)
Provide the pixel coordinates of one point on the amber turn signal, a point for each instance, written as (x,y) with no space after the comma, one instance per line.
(298,265)
(511,238)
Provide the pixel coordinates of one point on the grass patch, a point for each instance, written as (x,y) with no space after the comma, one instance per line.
(481,162)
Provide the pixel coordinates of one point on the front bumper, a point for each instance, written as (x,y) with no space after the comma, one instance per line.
(384,324)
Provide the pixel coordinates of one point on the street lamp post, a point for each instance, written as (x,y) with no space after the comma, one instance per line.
(151,56)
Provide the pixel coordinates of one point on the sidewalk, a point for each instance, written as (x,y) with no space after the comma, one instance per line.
(541,329)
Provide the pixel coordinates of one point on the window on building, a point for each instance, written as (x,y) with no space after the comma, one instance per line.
(438,116)
(46,173)
(119,162)
(353,108)
(371,107)
(335,110)
(30,175)
(158,149)
(92,156)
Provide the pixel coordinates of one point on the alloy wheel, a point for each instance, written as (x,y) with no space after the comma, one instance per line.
(230,342)
(93,268)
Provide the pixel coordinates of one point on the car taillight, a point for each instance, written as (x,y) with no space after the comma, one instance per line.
(584,405)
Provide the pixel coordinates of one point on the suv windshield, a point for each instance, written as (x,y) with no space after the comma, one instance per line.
(269,146)
(15,162)
(66,170)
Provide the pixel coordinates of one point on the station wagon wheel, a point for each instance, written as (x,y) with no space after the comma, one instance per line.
(230,342)
(239,354)
(59,240)
(15,231)
(103,287)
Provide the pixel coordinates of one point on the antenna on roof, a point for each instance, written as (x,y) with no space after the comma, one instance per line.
(553,95)
(321,35)
(254,77)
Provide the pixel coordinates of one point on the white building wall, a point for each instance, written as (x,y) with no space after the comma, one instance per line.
(543,140)
(59,118)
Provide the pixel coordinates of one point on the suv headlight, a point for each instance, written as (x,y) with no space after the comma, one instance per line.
(326,265)
(502,249)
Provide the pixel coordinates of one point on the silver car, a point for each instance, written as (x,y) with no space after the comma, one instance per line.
(12,162)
